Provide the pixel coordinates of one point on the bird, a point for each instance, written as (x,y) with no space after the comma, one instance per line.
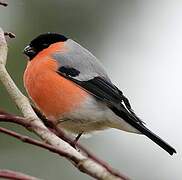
(71,88)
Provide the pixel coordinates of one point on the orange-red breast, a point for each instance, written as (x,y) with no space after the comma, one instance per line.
(69,86)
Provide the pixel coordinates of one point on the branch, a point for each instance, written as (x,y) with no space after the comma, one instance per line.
(5,117)
(32,141)
(8,174)
(83,163)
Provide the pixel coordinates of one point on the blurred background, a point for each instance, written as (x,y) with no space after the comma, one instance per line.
(140,44)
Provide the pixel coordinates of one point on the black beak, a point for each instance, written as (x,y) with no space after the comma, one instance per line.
(30,52)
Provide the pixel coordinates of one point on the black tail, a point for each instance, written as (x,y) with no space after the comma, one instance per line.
(140,127)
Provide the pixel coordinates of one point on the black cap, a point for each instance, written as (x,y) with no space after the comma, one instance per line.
(41,42)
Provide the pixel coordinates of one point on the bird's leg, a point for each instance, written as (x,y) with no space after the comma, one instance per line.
(76,140)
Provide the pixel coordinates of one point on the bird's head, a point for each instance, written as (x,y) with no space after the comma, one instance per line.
(41,42)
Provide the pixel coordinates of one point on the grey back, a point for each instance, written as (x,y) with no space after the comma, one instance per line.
(81,59)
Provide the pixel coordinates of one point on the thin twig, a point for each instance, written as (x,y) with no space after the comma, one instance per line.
(9,34)
(9,174)
(32,141)
(6,117)
(3,3)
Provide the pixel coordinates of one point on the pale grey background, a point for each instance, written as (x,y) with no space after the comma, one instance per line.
(140,44)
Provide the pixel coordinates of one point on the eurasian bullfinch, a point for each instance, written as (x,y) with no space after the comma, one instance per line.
(70,87)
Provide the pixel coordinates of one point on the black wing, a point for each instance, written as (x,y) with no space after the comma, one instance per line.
(119,104)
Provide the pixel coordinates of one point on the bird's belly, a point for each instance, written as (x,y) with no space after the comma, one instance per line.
(90,116)
(76,127)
